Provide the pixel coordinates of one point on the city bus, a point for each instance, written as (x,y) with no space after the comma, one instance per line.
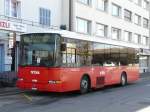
(64,62)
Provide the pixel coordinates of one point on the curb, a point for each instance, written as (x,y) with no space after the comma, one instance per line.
(9,91)
(144,75)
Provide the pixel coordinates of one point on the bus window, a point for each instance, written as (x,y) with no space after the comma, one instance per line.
(39,50)
(123,56)
(133,57)
(68,53)
(107,55)
(84,53)
(115,58)
(123,59)
(98,54)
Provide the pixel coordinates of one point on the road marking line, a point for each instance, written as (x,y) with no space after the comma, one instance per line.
(147,109)
(27,97)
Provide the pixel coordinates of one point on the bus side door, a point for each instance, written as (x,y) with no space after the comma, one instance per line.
(99,76)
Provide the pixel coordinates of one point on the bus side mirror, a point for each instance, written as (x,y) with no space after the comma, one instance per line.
(63,47)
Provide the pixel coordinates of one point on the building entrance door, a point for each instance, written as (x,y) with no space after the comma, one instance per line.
(1,58)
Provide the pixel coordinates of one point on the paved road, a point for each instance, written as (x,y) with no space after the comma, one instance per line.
(131,98)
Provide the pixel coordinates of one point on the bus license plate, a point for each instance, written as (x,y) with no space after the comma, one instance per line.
(34,89)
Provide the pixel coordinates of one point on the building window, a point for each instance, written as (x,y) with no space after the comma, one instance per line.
(83,26)
(138,2)
(116,10)
(145,40)
(145,23)
(145,4)
(127,36)
(137,38)
(127,15)
(13,8)
(45,15)
(137,19)
(86,2)
(7,8)
(102,5)
(116,33)
(101,30)
(131,0)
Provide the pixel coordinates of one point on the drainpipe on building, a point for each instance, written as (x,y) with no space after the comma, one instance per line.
(15,51)
(16,55)
(149,39)
(71,8)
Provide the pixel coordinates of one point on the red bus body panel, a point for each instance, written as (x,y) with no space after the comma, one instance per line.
(70,77)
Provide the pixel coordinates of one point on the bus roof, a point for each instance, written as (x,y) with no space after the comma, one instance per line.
(86,37)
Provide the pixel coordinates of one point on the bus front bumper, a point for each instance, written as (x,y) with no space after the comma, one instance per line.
(45,87)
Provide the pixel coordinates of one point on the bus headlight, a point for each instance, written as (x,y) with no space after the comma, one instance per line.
(54,82)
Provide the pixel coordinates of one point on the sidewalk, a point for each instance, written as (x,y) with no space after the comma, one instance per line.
(144,75)
(8,78)
(9,91)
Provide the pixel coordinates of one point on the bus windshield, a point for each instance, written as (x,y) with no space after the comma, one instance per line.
(38,50)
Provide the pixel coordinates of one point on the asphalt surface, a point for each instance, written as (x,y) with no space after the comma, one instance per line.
(131,98)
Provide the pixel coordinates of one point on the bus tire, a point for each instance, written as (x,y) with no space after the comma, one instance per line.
(84,84)
(123,79)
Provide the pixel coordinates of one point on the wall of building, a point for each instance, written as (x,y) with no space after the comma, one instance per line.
(30,10)
(60,16)
(8,59)
(94,15)
(29,19)
(1,7)
(65,13)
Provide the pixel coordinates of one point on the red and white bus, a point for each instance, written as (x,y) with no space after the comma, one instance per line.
(57,62)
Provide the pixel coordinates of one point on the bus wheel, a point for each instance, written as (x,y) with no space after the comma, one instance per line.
(84,85)
(123,80)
